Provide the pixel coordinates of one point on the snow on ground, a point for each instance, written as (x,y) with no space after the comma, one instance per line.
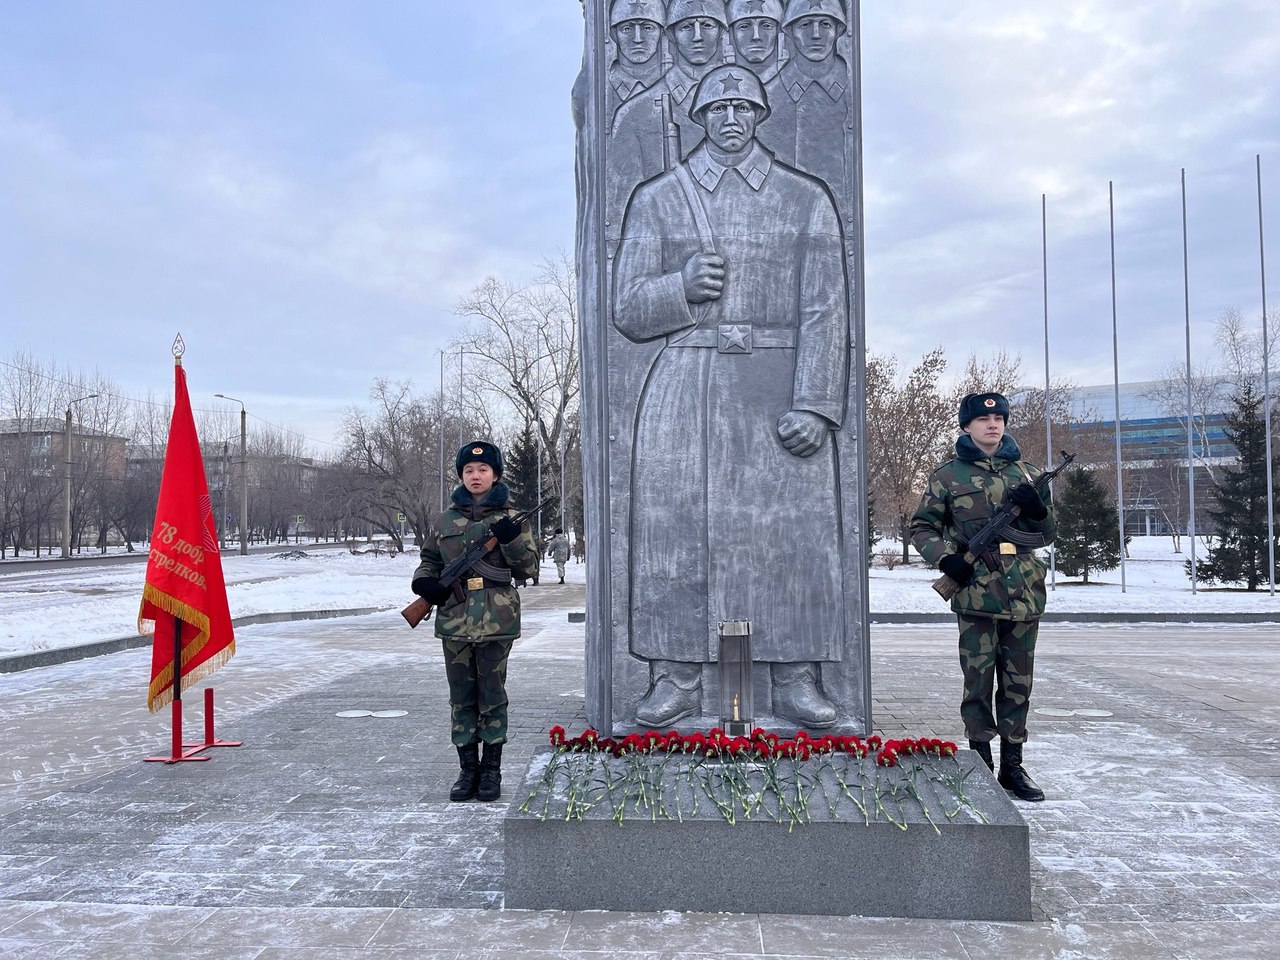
(41,608)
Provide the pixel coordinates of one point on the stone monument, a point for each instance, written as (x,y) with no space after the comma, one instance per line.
(720,270)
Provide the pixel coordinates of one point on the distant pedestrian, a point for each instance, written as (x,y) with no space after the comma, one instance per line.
(479,622)
(558,549)
(1002,595)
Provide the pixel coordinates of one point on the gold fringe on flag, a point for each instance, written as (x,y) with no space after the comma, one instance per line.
(160,693)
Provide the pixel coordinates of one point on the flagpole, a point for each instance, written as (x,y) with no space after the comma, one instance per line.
(1191,466)
(1266,396)
(1115,360)
(177,687)
(1048,426)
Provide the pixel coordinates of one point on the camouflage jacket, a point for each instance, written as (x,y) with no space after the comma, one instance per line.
(493,612)
(962,495)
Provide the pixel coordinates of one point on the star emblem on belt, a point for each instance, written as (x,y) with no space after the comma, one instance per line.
(734,337)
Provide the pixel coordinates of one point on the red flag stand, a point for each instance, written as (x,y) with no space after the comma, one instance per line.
(209,739)
(187,751)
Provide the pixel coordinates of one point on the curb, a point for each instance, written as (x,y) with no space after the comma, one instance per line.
(13,663)
(1094,617)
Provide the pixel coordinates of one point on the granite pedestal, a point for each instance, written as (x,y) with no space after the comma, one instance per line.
(919,854)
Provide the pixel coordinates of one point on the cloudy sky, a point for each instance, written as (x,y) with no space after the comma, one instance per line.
(305,188)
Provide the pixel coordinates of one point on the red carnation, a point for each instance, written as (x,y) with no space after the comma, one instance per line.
(557,736)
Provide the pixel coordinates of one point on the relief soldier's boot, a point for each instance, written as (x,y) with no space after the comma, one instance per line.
(1012,777)
(983,749)
(490,773)
(464,788)
(796,696)
(674,693)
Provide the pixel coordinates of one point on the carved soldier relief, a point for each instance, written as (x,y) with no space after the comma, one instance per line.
(721,290)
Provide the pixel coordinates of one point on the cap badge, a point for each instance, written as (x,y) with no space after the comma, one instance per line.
(481,449)
(989,402)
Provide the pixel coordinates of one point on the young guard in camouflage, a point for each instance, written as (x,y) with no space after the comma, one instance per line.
(478,630)
(1002,595)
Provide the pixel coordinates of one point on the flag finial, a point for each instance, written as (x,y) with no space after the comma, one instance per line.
(179,348)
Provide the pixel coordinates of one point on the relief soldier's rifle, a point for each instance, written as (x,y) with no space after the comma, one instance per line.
(451,575)
(988,536)
(670,134)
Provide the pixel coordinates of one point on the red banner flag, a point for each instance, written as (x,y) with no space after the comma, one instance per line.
(184,570)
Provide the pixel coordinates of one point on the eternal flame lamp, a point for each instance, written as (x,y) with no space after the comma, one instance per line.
(735,677)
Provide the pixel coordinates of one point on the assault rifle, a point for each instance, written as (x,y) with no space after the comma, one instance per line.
(451,575)
(988,536)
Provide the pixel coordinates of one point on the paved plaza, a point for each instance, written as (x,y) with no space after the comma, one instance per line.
(325,836)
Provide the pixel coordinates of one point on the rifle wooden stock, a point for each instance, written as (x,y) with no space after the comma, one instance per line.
(416,612)
(947,588)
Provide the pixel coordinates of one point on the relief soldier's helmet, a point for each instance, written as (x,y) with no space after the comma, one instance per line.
(980,404)
(751,9)
(479,451)
(816,8)
(686,9)
(624,10)
(730,82)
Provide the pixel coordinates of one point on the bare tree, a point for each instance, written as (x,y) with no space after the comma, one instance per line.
(1240,342)
(1000,374)
(910,424)
(31,484)
(522,356)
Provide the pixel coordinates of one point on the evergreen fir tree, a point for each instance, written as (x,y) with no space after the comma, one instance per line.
(1240,554)
(521,469)
(1088,533)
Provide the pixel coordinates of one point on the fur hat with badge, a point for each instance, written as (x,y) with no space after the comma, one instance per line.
(980,404)
(479,451)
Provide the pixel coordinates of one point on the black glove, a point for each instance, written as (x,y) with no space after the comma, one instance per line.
(429,589)
(505,529)
(955,567)
(1026,499)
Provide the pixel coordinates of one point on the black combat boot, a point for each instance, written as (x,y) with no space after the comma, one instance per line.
(464,788)
(983,749)
(490,773)
(1012,777)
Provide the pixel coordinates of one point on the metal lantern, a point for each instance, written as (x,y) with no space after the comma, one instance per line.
(735,677)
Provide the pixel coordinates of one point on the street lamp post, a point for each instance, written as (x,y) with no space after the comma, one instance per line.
(66,481)
(244,478)
(442,490)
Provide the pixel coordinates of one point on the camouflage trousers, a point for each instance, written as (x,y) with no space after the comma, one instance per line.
(999,654)
(560,568)
(477,674)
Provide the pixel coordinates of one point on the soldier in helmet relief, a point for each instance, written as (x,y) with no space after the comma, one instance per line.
(635,26)
(810,95)
(754,26)
(734,263)
(1002,595)
(477,631)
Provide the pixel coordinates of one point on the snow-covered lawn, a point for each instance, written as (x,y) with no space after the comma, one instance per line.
(50,608)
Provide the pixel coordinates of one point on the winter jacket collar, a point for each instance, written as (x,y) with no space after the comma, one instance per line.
(495,499)
(970,452)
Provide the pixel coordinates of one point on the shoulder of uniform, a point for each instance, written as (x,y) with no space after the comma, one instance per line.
(948,468)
